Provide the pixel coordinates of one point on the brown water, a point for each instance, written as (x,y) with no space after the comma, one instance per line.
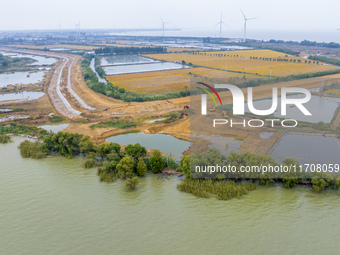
(54,206)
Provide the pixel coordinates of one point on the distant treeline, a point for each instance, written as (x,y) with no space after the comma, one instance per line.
(110,90)
(307,43)
(129,50)
(331,61)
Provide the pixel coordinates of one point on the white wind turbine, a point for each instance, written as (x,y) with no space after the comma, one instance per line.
(221,23)
(245,25)
(163,23)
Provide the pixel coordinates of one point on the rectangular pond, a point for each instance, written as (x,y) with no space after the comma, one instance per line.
(125,60)
(165,143)
(28,95)
(321,149)
(139,68)
(322,108)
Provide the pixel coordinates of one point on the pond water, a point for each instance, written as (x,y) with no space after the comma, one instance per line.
(39,60)
(125,60)
(5,110)
(55,206)
(112,70)
(29,95)
(155,120)
(55,128)
(266,135)
(14,117)
(19,78)
(225,145)
(321,149)
(162,142)
(92,66)
(322,108)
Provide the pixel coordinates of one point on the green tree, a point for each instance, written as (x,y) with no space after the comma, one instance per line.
(156,161)
(141,167)
(131,183)
(125,167)
(185,165)
(135,151)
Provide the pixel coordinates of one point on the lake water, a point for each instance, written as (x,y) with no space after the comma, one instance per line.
(19,78)
(55,206)
(307,149)
(321,108)
(29,95)
(112,70)
(164,143)
(125,60)
(39,60)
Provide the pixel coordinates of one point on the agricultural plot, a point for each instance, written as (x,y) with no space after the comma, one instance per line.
(271,62)
(172,80)
(153,82)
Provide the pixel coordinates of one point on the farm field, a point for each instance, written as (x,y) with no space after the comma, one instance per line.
(70,46)
(153,82)
(242,64)
(172,80)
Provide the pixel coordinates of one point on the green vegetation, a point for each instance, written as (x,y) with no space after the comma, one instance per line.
(5,139)
(156,162)
(18,109)
(9,64)
(223,190)
(131,183)
(171,116)
(114,124)
(56,119)
(306,43)
(203,188)
(13,128)
(98,67)
(35,150)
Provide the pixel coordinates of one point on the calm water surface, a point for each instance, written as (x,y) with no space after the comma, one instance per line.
(54,206)
(164,143)
(112,70)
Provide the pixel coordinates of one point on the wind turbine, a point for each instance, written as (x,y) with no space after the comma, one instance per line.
(245,25)
(221,23)
(77,27)
(163,23)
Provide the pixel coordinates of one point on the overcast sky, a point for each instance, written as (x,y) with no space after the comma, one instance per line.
(271,14)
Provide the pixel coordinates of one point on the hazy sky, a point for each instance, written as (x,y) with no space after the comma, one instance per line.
(271,14)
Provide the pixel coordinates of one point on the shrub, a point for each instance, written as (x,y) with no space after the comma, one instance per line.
(131,183)
(5,139)
(156,161)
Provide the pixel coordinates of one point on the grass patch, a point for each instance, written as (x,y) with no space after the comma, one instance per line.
(223,190)
(56,119)
(114,124)
(5,139)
